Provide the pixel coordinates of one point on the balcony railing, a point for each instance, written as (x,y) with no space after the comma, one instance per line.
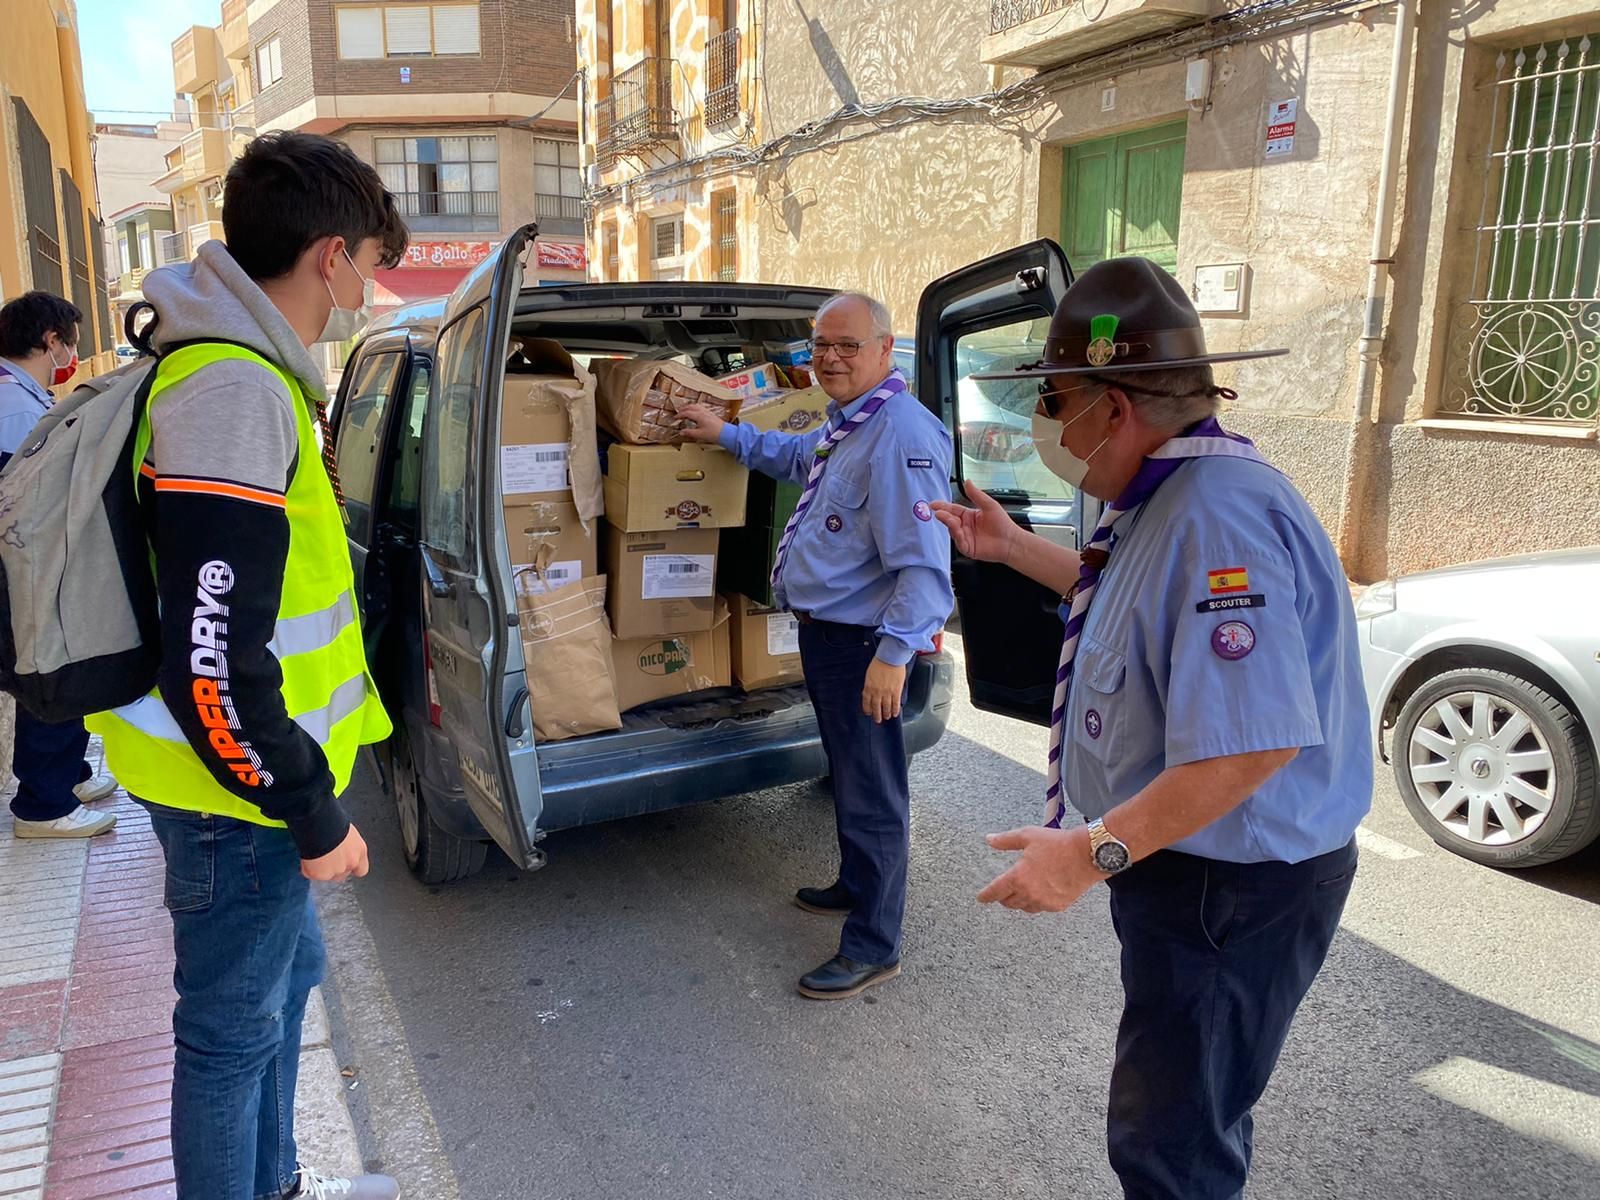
(445,212)
(722,79)
(1008,14)
(639,111)
(558,214)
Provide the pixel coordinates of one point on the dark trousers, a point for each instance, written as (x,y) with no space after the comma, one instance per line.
(47,760)
(871,793)
(1216,957)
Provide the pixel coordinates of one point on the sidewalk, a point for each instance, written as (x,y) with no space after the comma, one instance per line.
(86,1022)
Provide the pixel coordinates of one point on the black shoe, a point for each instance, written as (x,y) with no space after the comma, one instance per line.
(840,978)
(831,901)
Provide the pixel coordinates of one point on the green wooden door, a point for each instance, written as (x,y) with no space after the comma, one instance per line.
(1122,195)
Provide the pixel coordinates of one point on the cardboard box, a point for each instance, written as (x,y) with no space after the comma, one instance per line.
(788,354)
(657,668)
(747,553)
(549,545)
(637,399)
(661,583)
(754,383)
(673,487)
(787,412)
(547,433)
(765,644)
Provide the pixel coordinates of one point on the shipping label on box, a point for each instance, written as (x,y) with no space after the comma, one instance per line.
(534,469)
(787,412)
(672,487)
(765,643)
(549,546)
(661,582)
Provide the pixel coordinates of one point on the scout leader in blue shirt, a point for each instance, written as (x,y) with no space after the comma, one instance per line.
(867,570)
(1209,721)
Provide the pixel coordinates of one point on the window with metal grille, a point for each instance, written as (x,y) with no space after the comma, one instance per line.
(722,79)
(107,337)
(443,184)
(725,234)
(77,249)
(39,201)
(1526,344)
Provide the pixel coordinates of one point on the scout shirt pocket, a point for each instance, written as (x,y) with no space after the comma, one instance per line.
(1099,703)
(843,518)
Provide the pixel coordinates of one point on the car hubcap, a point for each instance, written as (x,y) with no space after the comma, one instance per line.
(1482,768)
(405,801)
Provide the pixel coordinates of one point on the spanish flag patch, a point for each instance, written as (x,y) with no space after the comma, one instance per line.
(1228,581)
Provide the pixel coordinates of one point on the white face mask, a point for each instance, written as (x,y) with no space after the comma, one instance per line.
(346,323)
(1062,462)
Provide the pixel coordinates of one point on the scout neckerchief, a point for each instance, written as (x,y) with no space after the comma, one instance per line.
(819,462)
(1207,439)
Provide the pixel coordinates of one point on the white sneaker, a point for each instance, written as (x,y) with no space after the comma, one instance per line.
(79,823)
(95,788)
(312,1186)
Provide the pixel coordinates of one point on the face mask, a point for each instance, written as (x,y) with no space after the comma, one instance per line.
(60,374)
(346,323)
(1060,461)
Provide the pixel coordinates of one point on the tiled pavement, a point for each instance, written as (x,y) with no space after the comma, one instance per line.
(86,1019)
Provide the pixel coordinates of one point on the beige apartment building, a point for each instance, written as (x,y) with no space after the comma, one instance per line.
(880,146)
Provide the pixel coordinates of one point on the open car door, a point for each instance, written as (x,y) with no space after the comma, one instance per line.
(994,315)
(468,628)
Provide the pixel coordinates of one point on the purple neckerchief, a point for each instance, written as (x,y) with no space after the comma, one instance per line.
(896,382)
(1207,439)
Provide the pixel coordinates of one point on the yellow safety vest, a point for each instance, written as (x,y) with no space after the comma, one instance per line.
(327,688)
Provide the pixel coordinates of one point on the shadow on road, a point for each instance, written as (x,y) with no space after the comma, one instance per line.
(623,1023)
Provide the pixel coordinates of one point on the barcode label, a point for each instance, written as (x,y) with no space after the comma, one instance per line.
(558,574)
(678,576)
(534,468)
(783,634)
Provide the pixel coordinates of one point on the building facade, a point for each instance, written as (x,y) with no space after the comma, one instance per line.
(467,108)
(50,231)
(1241,147)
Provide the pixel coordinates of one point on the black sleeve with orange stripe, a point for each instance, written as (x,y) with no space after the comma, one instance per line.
(221,550)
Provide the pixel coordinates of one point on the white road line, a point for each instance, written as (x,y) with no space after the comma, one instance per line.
(1370,842)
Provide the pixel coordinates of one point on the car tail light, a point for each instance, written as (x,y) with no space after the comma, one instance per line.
(990,441)
(938,645)
(435,712)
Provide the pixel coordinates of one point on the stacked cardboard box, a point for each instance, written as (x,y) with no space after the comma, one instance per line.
(766,645)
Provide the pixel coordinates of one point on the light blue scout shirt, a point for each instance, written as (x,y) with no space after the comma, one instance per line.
(868,551)
(1223,625)
(22,403)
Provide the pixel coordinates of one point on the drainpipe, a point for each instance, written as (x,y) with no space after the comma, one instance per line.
(1363,420)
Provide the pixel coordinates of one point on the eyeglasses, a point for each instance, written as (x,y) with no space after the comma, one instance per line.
(842,349)
(1053,400)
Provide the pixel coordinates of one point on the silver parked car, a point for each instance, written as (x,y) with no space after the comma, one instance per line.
(1484,681)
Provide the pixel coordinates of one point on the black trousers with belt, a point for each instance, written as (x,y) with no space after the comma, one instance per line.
(1216,958)
(871,791)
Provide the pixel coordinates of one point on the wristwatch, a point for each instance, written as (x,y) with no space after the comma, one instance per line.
(1108,853)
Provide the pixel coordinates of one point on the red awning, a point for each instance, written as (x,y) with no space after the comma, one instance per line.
(407,285)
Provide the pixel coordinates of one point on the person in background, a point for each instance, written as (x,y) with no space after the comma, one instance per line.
(39,351)
(265,696)
(866,569)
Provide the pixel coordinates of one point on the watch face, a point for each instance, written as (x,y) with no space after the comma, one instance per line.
(1111,856)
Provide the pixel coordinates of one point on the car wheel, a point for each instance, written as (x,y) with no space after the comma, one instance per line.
(433,855)
(1496,769)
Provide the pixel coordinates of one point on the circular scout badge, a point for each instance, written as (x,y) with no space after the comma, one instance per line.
(1233,640)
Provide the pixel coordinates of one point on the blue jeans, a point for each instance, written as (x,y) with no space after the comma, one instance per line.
(47,759)
(1216,958)
(871,791)
(249,952)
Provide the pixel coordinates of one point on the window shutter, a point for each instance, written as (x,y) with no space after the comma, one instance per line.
(669,237)
(455,29)
(360,32)
(408,30)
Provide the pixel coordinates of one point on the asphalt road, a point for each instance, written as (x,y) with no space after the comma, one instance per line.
(622,1025)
